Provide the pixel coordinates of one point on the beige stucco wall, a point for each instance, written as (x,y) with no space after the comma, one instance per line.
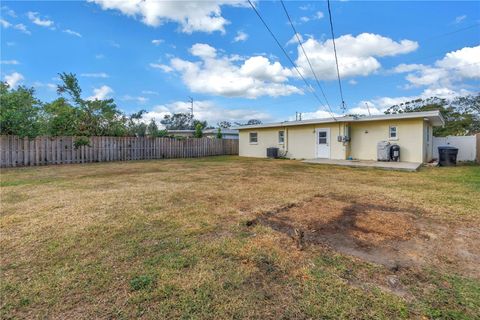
(266,138)
(365,136)
(300,141)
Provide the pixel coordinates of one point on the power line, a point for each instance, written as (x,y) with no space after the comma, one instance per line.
(452,32)
(336,58)
(306,56)
(445,68)
(285,52)
(429,39)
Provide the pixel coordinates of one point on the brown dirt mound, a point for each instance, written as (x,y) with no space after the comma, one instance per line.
(390,235)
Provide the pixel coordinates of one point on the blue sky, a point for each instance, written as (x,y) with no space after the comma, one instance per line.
(153,55)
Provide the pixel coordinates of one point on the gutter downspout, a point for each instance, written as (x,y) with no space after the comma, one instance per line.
(286,141)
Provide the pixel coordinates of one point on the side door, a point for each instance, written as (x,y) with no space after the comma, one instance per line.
(323,142)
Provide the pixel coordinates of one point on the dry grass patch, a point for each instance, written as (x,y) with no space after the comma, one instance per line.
(169,239)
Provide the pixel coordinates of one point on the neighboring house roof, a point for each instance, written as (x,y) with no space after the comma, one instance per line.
(181,131)
(435,117)
(224,131)
(206,131)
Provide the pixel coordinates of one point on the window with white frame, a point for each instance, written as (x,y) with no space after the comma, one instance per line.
(253,137)
(393,133)
(281,137)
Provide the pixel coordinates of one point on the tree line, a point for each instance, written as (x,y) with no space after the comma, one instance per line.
(461,114)
(24,115)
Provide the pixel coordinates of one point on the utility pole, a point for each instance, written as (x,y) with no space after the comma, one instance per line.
(190,99)
(368,108)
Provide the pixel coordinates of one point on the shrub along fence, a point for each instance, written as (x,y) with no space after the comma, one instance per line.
(15,151)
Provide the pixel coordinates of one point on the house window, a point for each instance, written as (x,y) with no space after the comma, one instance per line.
(281,137)
(253,137)
(393,133)
(322,137)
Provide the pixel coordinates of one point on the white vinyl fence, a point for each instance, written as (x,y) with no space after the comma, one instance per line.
(467,146)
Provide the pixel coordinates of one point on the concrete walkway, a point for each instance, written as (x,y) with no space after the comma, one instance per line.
(402,166)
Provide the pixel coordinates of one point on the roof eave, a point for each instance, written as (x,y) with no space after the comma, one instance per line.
(431,115)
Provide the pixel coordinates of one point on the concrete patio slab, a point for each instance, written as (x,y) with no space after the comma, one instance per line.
(402,166)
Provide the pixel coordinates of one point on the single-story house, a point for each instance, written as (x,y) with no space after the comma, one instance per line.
(210,133)
(226,133)
(181,133)
(346,137)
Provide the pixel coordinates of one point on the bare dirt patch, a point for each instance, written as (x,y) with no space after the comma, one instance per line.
(389,235)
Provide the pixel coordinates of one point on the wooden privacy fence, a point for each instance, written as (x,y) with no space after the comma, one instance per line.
(15,151)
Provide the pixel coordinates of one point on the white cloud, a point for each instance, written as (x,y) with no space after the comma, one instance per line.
(294,40)
(203,50)
(192,16)
(377,105)
(227,76)
(456,67)
(9,11)
(157,42)
(352,82)
(138,99)
(9,62)
(401,68)
(445,78)
(34,17)
(357,55)
(460,19)
(321,113)
(5,23)
(206,110)
(114,44)
(149,92)
(13,79)
(23,28)
(241,36)
(95,75)
(163,67)
(99,56)
(317,16)
(380,104)
(101,93)
(428,76)
(260,68)
(73,33)
(20,26)
(446,93)
(49,86)
(466,61)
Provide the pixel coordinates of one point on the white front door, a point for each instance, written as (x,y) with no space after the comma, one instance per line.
(323,142)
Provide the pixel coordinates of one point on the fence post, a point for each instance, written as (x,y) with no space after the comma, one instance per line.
(478,147)
(43,150)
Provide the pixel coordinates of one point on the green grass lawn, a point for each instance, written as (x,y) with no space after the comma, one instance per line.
(170,239)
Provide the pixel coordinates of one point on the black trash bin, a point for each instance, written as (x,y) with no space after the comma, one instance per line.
(395,152)
(447,156)
(272,153)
